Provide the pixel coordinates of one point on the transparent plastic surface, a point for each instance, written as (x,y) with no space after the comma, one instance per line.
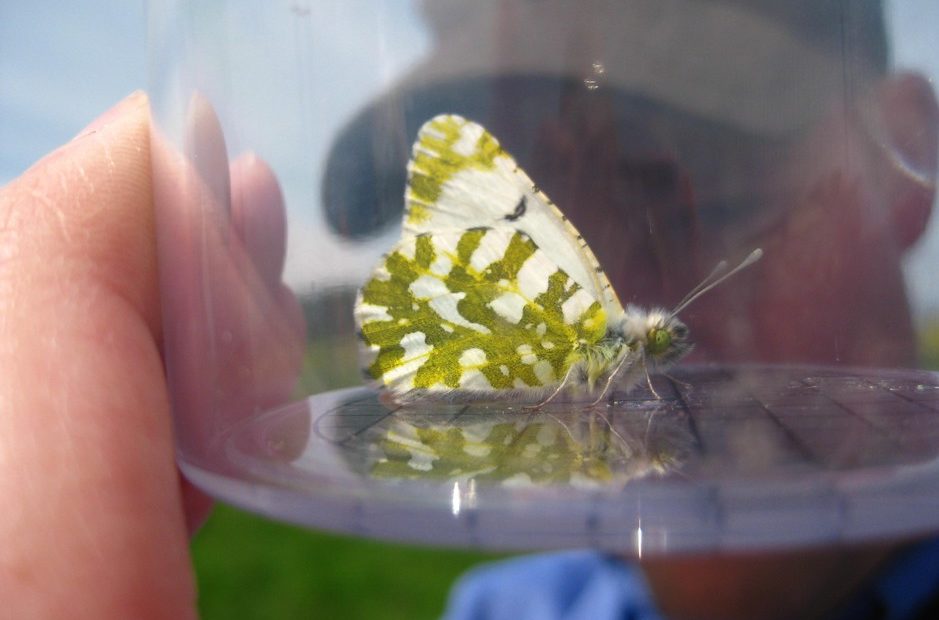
(672,135)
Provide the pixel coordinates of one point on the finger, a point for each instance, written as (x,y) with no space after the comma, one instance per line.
(233,336)
(97,527)
(258,217)
(197,505)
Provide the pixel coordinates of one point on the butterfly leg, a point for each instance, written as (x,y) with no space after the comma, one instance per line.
(649,427)
(613,432)
(563,425)
(645,369)
(684,384)
(609,381)
(557,391)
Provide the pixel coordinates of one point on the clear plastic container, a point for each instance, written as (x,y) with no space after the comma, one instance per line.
(671,135)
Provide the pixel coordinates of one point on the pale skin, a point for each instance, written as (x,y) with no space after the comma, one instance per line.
(97,520)
(803,583)
(834,220)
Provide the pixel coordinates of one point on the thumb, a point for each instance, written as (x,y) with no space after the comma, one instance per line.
(96,527)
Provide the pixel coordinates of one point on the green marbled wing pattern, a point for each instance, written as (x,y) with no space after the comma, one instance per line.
(479,310)
(459,177)
(512,453)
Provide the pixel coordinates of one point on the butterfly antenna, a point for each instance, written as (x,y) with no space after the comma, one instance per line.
(718,269)
(715,278)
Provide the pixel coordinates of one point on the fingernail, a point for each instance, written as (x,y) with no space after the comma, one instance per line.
(129,102)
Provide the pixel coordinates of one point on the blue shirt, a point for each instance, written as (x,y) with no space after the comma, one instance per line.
(576,585)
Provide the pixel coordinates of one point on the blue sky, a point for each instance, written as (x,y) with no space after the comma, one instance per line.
(62,64)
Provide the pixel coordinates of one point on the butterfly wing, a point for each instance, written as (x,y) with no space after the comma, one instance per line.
(480,310)
(460,177)
(425,451)
(518,453)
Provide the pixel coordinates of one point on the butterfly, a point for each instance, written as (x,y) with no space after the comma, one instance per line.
(491,293)
(524,451)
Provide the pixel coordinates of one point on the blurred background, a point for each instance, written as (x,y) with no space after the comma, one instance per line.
(61,65)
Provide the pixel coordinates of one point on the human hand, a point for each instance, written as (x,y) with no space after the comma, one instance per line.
(98,518)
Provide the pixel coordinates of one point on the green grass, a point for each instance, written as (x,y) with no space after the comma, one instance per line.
(929,343)
(250,567)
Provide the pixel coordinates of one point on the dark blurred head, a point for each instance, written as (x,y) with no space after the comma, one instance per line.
(676,132)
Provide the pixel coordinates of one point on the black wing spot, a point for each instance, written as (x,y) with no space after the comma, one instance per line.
(519,211)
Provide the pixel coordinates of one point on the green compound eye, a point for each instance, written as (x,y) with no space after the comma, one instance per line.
(659,341)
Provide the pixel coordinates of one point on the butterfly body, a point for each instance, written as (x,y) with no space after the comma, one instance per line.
(491,293)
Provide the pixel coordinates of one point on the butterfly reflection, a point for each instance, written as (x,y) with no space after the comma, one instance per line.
(544,448)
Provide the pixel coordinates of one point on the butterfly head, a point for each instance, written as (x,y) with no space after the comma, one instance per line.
(663,337)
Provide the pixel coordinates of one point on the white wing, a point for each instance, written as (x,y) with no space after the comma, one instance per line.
(459,178)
